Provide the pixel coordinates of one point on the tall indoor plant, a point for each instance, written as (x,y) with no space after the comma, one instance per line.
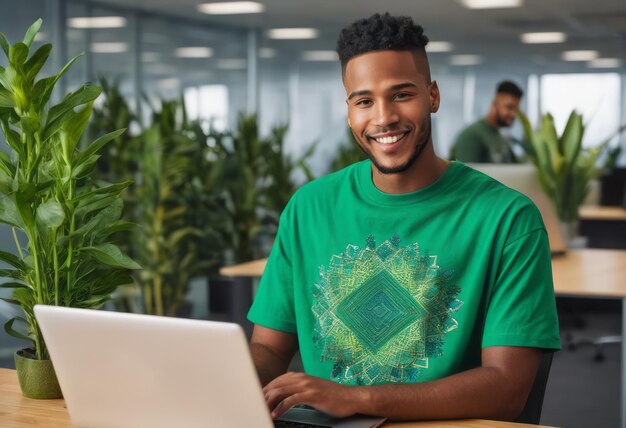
(175,210)
(62,221)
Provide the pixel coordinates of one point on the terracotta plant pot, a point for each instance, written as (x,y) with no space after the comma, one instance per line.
(37,377)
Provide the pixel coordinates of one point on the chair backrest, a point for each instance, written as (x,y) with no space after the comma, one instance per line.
(532,410)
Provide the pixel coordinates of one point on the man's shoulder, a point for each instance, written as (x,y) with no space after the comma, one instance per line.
(486,188)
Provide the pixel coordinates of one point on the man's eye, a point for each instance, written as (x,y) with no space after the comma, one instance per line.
(402,95)
(363,102)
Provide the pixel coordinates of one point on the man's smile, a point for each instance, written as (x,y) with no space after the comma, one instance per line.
(388,140)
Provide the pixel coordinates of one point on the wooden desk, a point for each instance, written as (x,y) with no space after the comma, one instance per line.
(586,273)
(17,411)
(596,212)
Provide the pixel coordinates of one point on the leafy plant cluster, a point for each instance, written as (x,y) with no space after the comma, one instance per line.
(201,199)
(62,220)
(565,168)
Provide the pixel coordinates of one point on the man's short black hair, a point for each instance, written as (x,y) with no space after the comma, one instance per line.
(379,33)
(508,87)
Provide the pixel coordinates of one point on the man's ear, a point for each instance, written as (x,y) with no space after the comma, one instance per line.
(434,97)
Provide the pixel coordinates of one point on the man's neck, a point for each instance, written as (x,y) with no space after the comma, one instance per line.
(492,121)
(427,169)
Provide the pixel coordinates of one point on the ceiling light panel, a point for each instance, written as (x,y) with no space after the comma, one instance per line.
(580,55)
(434,47)
(605,63)
(194,52)
(232,64)
(466,59)
(491,4)
(293,33)
(231,8)
(105,47)
(320,56)
(548,37)
(97,22)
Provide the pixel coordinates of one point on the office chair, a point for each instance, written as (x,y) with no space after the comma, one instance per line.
(531,414)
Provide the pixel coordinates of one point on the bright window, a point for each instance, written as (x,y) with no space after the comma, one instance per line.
(595,96)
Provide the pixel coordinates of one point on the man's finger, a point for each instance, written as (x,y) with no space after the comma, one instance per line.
(288,403)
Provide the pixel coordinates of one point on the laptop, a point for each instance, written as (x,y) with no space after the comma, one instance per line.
(119,370)
(523,178)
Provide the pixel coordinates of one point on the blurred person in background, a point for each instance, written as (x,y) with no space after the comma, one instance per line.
(482,141)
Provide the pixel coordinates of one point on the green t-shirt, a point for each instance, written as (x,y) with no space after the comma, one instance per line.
(481,142)
(384,288)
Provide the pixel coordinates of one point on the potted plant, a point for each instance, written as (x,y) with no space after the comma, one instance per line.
(62,221)
(564,167)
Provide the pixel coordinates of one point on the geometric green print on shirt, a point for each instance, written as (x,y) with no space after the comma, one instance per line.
(382,312)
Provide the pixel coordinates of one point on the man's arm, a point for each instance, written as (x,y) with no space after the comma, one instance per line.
(496,390)
(272,351)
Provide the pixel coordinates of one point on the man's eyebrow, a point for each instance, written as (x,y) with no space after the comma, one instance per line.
(403,85)
(393,88)
(359,93)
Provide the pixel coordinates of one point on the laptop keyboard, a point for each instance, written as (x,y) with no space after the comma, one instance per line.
(287,424)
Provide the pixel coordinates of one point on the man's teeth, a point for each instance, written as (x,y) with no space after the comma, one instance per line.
(389,140)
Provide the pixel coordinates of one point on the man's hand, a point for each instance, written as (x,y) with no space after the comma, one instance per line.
(329,397)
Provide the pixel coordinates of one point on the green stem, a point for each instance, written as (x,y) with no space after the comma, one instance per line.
(158,294)
(55,259)
(70,245)
(17,243)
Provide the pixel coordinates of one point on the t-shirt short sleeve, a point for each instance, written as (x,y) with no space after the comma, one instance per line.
(522,308)
(273,305)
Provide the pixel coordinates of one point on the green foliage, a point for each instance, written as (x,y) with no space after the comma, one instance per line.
(564,167)
(118,160)
(348,153)
(176,209)
(257,181)
(47,193)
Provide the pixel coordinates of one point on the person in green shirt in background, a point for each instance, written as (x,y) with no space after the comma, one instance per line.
(482,142)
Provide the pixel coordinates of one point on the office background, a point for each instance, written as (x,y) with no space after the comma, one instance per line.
(223,65)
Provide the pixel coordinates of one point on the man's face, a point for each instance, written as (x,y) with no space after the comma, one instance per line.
(390,99)
(506,106)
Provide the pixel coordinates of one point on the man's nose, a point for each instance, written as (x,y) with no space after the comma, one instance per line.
(386,115)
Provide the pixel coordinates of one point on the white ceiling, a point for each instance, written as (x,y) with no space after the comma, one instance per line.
(494,34)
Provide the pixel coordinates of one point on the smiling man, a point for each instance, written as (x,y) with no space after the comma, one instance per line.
(414,287)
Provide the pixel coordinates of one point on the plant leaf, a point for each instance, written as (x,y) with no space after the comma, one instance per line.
(18,55)
(36,61)
(11,273)
(13,285)
(4,43)
(83,95)
(99,143)
(23,199)
(111,255)
(42,96)
(6,98)
(8,327)
(32,32)
(12,259)
(50,214)
(8,212)
(571,140)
